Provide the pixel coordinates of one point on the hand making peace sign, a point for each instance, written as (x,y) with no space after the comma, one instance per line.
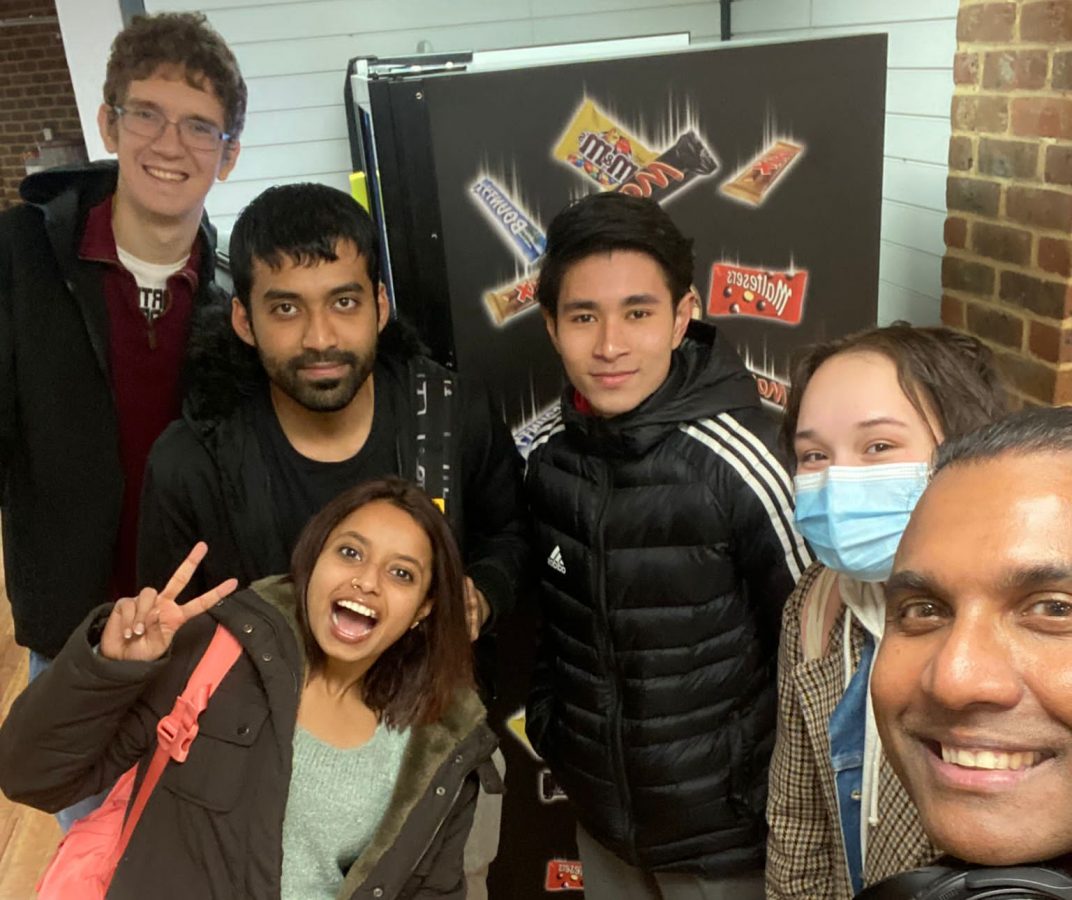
(143,627)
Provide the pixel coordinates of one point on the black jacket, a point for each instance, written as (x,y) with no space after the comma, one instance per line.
(206,478)
(666,551)
(61,484)
(213,827)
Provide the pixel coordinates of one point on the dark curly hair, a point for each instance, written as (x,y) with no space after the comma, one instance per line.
(303,223)
(941,371)
(177,39)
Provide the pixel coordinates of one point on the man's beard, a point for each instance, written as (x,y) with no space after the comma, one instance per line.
(321,395)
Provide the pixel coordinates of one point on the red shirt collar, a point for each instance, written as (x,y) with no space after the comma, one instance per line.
(581,404)
(98,242)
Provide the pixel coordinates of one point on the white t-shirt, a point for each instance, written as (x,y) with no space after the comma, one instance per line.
(152,281)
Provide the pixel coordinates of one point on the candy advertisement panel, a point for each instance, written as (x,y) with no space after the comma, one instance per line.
(751,151)
(748,148)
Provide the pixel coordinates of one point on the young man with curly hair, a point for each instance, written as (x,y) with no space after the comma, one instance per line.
(101,269)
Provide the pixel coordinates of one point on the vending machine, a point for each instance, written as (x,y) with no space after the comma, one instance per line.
(769,156)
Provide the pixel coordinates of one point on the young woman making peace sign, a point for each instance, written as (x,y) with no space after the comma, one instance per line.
(340,756)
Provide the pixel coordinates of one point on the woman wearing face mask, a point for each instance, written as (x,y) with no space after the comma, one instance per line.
(339,757)
(863,418)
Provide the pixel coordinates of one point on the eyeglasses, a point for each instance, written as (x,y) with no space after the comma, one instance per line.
(144,121)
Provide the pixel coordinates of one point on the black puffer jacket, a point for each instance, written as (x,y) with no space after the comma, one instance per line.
(666,550)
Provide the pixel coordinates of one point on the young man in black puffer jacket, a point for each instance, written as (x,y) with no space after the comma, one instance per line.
(666,548)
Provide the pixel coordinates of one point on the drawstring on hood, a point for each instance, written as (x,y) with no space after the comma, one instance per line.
(866,602)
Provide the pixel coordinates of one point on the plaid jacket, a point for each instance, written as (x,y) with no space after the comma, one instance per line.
(805,851)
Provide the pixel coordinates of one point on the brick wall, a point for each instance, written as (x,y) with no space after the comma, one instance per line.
(35,88)
(1007,273)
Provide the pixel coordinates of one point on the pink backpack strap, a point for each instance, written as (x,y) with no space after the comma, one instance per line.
(177,730)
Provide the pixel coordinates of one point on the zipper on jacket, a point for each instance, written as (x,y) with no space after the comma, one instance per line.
(606,649)
(447,811)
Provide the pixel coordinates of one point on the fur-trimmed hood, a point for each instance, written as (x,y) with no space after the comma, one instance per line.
(220,813)
(437,759)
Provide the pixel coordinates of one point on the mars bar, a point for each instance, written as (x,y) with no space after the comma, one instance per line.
(675,167)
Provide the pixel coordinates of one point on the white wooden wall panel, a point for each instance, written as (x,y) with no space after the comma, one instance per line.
(234,195)
(911,44)
(916,270)
(702,19)
(309,157)
(896,303)
(295,91)
(910,226)
(313,123)
(922,42)
(751,18)
(868,12)
(205,6)
(329,53)
(915,183)
(920,92)
(312,18)
(918,138)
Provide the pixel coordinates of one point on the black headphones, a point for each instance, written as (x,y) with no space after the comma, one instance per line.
(945,883)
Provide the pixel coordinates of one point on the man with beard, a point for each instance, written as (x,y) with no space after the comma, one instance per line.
(334,394)
(322,391)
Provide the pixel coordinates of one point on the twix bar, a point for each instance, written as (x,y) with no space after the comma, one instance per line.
(506,302)
(754,182)
(742,291)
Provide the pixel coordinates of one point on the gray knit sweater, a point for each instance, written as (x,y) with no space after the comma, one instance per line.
(337,798)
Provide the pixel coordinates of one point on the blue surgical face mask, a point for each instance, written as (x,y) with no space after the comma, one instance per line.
(854,516)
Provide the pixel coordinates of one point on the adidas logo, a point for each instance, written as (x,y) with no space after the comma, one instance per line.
(555,561)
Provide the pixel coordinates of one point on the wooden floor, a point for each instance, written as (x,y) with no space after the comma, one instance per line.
(27,837)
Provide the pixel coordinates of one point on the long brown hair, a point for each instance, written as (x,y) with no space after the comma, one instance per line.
(414,680)
(941,372)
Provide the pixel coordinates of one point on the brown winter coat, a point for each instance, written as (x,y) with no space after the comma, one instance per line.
(213,826)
